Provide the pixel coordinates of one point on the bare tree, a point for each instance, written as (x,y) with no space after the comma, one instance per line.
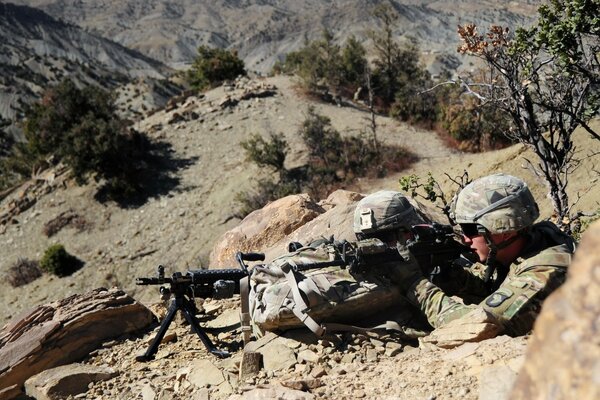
(372,121)
(545,99)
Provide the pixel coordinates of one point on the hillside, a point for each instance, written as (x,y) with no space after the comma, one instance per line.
(263,31)
(180,223)
(38,50)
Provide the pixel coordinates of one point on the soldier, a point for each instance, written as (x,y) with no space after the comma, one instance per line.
(521,263)
(281,299)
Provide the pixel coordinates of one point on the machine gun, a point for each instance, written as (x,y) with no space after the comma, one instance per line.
(182,288)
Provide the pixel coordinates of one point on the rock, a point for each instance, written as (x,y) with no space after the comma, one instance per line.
(229,318)
(175,118)
(476,326)
(348,358)
(257,344)
(250,364)
(308,356)
(303,384)
(65,331)
(392,349)
(273,393)
(336,219)
(461,352)
(563,352)
(148,392)
(496,382)
(262,228)
(318,371)
(277,356)
(205,374)
(66,380)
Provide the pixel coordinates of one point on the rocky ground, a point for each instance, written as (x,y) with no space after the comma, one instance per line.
(179,225)
(297,366)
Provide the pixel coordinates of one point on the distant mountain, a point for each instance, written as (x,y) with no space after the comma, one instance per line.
(38,50)
(264,30)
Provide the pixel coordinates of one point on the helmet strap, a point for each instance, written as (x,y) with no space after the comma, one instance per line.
(492,262)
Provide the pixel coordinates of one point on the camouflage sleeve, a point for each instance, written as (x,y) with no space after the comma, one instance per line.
(467,283)
(515,304)
(438,307)
(518,301)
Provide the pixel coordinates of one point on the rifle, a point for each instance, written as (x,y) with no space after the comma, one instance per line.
(216,283)
(435,247)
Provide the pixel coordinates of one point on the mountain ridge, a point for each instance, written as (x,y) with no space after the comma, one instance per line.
(39,51)
(264,31)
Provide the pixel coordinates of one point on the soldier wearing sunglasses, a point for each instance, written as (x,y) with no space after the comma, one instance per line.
(521,262)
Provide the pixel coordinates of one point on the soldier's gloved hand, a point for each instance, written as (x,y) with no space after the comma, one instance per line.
(407,274)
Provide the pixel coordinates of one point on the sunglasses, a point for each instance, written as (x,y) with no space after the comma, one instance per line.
(471,230)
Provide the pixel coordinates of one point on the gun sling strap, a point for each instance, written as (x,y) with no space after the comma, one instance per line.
(245,309)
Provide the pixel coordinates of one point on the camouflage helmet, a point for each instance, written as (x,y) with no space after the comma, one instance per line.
(384,211)
(500,203)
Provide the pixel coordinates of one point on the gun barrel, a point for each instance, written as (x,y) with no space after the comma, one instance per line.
(152,281)
(210,275)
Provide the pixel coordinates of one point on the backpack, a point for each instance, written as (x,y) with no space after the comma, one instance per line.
(280,297)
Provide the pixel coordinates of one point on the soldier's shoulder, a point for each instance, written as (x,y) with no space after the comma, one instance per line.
(556,256)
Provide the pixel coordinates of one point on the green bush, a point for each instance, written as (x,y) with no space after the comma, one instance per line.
(266,154)
(57,261)
(213,66)
(322,64)
(81,128)
(22,272)
(6,140)
(583,223)
(334,161)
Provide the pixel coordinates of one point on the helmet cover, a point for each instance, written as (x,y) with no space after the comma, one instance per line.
(383,211)
(500,203)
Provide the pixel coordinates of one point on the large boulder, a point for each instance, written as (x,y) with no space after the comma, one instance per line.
(63,332)
(295,218)
(336,221)
(262,228)
(563,356)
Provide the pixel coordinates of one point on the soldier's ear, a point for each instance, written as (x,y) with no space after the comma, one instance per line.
(505,236)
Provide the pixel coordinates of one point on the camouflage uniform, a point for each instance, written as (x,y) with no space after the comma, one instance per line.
(539,270)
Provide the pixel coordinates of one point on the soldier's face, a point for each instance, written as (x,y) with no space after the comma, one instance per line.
(479,245)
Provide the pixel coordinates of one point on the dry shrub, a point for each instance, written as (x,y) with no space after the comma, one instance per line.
(22,272)
(67,218)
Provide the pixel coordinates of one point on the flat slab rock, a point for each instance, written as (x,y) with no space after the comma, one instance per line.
(63,332)
(60,382)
